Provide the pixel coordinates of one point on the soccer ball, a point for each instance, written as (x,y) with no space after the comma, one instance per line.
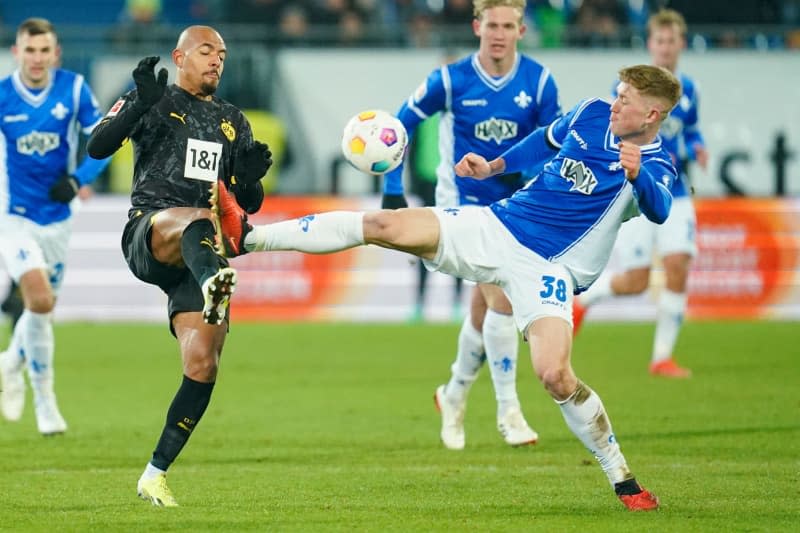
(374,142)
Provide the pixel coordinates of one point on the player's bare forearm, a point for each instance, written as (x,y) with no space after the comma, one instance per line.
(475,166)
(701,155)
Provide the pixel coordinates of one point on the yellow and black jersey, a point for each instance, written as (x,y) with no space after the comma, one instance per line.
(181,146)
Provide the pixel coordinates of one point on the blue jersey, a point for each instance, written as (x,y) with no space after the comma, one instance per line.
(39,142)
(571,211)
(679,132)
(480,114)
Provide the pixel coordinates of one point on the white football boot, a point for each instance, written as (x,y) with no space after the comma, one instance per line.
(12,385)
(217,292)
(48,417)
(452,420)
(515,429)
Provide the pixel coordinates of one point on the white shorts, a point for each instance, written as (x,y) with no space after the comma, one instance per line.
(474,245)
(639,238)
(26,246)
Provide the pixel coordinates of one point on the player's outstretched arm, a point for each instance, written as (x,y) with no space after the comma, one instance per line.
(124,115)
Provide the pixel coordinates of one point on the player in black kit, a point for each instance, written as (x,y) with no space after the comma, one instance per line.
(187,142)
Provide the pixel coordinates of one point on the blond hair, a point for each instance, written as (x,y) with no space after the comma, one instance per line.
(479,6)
(655,82)
(666,17)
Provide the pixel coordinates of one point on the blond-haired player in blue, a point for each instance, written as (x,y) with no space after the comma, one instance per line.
(488,101)
(550,240)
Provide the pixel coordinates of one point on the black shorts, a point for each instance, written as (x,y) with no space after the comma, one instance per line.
(183,292)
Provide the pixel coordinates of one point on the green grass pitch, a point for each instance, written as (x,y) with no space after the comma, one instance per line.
(331,427)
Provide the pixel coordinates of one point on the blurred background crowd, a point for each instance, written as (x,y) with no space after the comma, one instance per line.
(124,24)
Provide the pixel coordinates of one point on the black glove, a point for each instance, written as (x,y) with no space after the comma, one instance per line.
(65,189)
(252,162)
(149,90)
(393,201)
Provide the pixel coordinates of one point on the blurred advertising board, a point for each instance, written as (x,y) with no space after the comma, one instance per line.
(748,266)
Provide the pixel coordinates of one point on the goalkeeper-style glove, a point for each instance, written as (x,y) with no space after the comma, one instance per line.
(149,89)
(393,201)
(65,189)
(252,162)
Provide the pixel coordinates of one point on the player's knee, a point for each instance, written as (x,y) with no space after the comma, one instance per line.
(40,302)
(638,280)
(676,276)
(200,363)
(203,370)
(559,381)
(379,227)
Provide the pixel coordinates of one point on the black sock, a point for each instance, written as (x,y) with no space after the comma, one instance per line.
(423,279)
(198,250)
(627,487)
(185,412)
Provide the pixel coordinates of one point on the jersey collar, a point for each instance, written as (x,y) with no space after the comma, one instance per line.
(612,143)
(34,100)
(495,83)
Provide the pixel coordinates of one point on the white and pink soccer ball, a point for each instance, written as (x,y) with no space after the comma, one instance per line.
(374,141)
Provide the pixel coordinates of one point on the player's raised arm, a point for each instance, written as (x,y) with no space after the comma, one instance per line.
(630,157)
(252,161)
(652,183)
(123,116)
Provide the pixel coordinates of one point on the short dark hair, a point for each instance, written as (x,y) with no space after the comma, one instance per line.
(36,26)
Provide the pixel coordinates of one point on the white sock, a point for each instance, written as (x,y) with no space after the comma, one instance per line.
(587,418)
(469,359)
(37,341)
(669,317)
(502,344)
(600,290)
(151,471)
(316,234)
(15,350)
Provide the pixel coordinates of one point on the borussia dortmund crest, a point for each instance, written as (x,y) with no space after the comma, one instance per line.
(227,129)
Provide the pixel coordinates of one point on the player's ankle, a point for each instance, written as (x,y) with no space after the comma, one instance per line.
(628,487)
